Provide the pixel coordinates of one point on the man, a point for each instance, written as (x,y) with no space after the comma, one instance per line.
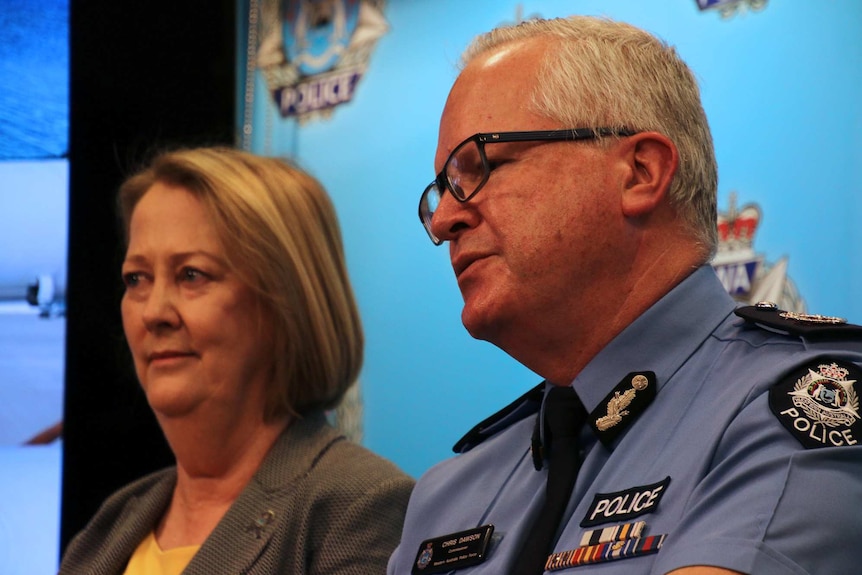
(716,440)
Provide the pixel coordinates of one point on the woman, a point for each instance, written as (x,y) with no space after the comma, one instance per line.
(243,330)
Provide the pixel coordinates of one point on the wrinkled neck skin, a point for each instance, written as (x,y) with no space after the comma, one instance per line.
(215,461)
(559,343)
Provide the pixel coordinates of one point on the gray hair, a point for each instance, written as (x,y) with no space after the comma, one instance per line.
(603,73)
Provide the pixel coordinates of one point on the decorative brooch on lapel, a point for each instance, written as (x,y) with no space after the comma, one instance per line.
(261,523)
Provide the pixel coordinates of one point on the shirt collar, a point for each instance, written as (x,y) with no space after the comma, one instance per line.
(661,339)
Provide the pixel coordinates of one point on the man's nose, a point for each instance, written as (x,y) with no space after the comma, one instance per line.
(453,217)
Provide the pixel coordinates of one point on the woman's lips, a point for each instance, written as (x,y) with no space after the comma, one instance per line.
(168,356)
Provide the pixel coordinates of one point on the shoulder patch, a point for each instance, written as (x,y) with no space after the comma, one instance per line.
(818,403)
(767,316)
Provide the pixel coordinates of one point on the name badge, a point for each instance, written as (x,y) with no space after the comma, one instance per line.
(453,551)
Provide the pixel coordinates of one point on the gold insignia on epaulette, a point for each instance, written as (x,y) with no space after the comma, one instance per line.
(812,318)
(623,404)
(619,402)
(616,410)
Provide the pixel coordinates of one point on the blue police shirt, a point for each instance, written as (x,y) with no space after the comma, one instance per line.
(737,462)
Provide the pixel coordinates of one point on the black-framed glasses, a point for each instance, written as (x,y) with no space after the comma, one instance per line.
(467,168)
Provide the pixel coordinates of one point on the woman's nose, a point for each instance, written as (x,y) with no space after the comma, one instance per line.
(160,307)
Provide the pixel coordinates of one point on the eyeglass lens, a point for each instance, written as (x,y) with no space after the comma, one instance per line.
(467,168)
(465,171)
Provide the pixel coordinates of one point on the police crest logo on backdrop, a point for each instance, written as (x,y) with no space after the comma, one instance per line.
(729,8)
(745,274)
(313,53)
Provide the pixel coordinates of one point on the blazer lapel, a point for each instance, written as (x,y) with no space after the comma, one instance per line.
(240,537)
(244,532)
(137,518)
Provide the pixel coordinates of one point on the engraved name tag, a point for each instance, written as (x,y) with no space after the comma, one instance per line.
(453,551)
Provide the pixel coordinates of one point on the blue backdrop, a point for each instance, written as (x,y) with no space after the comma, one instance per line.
(780,86)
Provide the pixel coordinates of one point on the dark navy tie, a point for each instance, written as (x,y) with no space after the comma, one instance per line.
(564,417)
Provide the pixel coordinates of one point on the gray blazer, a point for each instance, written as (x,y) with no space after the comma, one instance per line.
(319,504)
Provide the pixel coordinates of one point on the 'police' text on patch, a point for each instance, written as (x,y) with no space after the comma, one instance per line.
(818,404)
(623,505)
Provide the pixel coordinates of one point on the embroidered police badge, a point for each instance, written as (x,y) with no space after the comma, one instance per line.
(819,405)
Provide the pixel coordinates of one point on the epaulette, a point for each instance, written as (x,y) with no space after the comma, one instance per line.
(522,407)
(766,315)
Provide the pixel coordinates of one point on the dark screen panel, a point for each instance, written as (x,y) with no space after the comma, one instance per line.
(144,76)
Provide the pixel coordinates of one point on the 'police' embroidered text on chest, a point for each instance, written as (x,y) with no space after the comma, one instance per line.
(607,507)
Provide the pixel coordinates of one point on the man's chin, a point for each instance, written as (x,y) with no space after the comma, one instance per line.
(479,323)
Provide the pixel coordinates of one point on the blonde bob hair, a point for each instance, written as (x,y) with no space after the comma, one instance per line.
(281,235)
(602,73)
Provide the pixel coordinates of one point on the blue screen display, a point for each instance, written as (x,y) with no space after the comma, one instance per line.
(34,126)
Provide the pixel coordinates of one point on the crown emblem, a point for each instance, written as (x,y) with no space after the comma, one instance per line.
(745,274)
(736,228)
(833,371)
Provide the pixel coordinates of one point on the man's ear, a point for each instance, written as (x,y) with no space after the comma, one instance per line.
(652,159)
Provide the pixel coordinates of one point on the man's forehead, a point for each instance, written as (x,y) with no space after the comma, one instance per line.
(492,94)
(498,57)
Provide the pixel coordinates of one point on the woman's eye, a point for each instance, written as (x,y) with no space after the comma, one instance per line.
(191,275)
(131,279)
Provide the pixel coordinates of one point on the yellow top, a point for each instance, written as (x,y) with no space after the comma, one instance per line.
(149,559)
